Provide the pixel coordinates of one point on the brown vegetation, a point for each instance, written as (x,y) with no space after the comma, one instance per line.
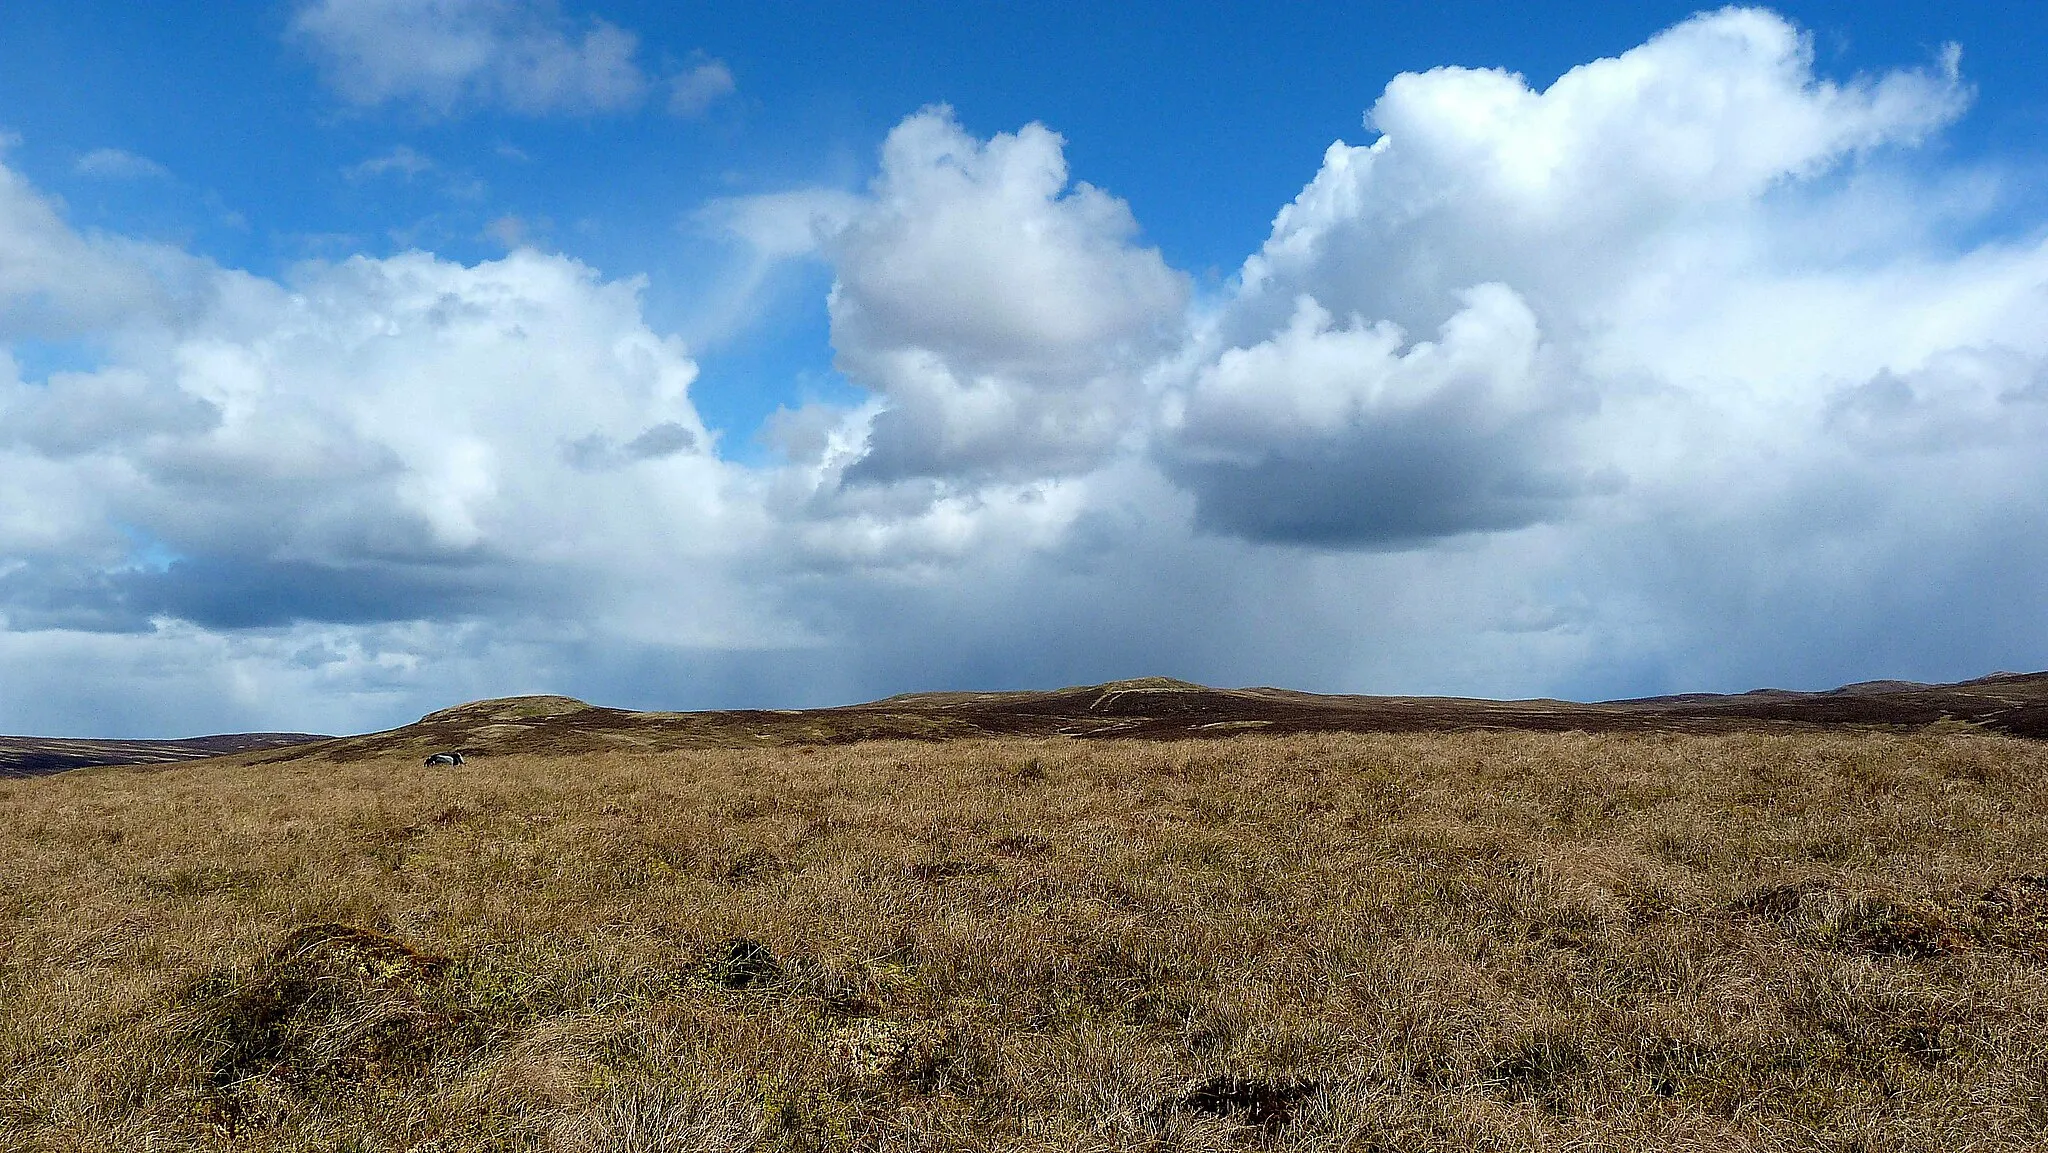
(1159,708)
(1149,708)
(1505,941)
(38,756)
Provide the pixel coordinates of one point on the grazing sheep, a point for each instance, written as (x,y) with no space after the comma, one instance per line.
(445,759)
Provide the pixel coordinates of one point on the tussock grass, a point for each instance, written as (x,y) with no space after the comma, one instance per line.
(1385,943)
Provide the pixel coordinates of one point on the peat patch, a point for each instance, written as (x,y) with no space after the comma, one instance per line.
(322,1021)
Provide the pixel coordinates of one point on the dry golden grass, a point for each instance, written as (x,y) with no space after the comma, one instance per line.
(1387,943)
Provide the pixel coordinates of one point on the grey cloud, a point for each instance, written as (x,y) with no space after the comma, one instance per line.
(1401,484)
(939,427)
(79,413)
(230,594)
(65,596)
(596,451)
(1349,437)
(1927,568)
(1962,399)
(661,440)
(226,593)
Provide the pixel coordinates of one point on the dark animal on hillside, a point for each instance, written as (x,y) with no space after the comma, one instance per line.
(445,759)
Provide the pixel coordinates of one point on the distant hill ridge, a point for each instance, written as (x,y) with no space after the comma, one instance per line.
(1161,708)
(1155,708)
(41,756)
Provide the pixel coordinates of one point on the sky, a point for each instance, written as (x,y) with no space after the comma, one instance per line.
(361,357)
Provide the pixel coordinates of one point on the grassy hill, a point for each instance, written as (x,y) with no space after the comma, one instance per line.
(1777,934)
(1150,708)
(40,756)
(1159,708)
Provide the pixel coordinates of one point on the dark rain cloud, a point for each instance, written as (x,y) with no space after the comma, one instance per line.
(1400,483)
(224,593)
(596,452)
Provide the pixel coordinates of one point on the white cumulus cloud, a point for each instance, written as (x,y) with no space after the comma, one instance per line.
(1574,191)
(1002,314)
(1615,226)
(374,442)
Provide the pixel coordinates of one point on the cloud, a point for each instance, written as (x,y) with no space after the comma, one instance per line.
(694,90)
(115,164)
(597,451)
(1343,436)
(447,56)
(770,237)
(1003,315)
(1958,400)
(56,283)
(231,594)
(782,225)
(1545,232)
(378,440)
(402,160)
(74,414)
(1693,369)
(1687,289)
(1569,193)
(511,230)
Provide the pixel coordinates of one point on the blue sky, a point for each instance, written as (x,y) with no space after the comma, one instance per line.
(1202,119)
(841,352)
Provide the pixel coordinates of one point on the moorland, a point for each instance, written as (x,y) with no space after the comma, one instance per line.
(1138,916)
(38,756)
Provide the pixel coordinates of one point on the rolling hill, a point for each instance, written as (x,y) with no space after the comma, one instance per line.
(40,756)
(1159,708)
(1156,708)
